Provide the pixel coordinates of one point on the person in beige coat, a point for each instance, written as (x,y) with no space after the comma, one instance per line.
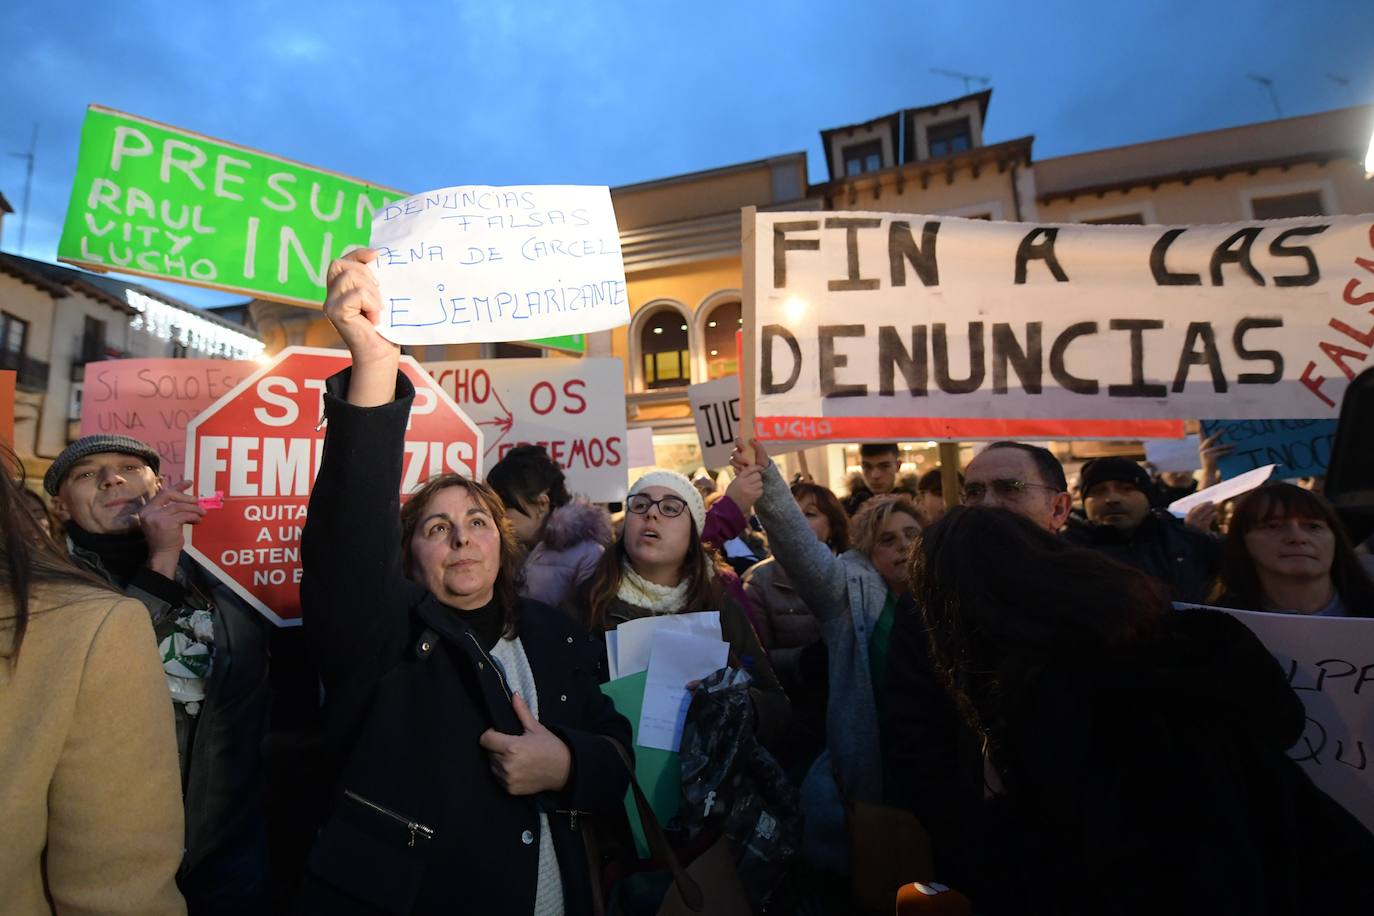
(90,794)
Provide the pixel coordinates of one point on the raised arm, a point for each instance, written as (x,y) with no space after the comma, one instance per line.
(354,592)
(815,571)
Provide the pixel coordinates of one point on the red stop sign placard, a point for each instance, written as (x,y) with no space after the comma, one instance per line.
(260,446)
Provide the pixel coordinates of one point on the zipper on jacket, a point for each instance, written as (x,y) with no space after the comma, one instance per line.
(494,667)
(572,814)
(415,828)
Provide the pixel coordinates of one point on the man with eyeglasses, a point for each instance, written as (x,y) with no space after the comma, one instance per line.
(1025,479)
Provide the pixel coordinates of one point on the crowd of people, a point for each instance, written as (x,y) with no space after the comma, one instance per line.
(1010,696)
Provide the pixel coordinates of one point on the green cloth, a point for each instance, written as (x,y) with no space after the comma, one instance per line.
(877,650)
(659,772)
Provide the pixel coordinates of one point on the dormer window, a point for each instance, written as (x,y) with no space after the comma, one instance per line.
(863,157)
(949,137)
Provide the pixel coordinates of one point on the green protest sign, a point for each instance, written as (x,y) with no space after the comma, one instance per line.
(160,202)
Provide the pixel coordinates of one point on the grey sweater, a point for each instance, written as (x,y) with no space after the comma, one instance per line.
(847,595)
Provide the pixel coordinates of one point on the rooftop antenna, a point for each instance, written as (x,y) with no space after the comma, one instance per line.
(968,78)
(28,185)
(1268,84)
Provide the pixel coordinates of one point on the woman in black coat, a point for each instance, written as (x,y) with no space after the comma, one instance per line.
(1136,754)
(465,729)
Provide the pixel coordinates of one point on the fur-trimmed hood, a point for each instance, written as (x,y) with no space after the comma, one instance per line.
(576,522)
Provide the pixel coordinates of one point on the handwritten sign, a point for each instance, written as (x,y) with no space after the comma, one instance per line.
(1299,448)
(153,400)
(159,201)
(480,263)
(574,408)
(1330,665)
(715,411)
(888,315)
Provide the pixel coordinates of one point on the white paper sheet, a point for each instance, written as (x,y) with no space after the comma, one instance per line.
(612,655)
(478,264)
(1223,491)
(675,658)
(634,638)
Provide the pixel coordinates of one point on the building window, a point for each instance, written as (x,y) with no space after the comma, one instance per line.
(722,324)
(863,157)
(92,340)
(663,347)
(949,137)
(14,337)
(1124,219)
(1284,206)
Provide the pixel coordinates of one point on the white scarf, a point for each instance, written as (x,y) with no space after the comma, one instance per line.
(640,592)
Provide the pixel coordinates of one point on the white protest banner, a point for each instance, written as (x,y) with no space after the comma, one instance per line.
(868,318)
(715,411)
(480,264)
(1330,665)
(574,408)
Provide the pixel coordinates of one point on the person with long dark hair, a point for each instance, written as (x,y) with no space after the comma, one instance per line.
(466,737)
(90,792)
(1137,754)
(563,535)
(1286,551)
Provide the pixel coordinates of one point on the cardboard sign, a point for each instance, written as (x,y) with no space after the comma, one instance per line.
(715,411)
(157,201)
(863,317)
(490,264)
(154,400)
(1298,448)
(7,379)
(1330,665)
(574,408)
(260,446)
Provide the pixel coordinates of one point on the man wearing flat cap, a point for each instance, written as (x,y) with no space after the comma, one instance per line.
(123,524)
(1126,523)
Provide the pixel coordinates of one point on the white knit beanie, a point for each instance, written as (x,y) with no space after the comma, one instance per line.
(681,486)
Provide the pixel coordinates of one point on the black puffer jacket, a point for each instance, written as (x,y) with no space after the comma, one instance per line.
(1183,559)
(1154,779)
(419,824)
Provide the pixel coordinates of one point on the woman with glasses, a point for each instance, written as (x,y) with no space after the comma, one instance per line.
(856,596)
(465,732)
(660,565)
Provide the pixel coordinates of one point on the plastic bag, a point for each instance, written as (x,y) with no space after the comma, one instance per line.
(731,784)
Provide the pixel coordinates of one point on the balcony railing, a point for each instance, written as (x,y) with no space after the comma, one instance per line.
(31,375)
